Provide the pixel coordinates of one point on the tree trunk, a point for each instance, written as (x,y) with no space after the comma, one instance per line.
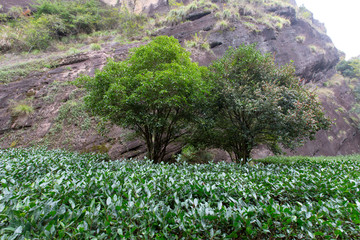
(245,156)
(243,153)
(156,149)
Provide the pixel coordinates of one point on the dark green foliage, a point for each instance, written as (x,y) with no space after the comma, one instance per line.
(157,92)
(74,112)
(192,155)
(305,13)
(349,68)
(257,102)
(62,195)
(356,92)
(78,16)
(346,69)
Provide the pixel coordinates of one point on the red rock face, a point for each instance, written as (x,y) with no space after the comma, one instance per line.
(310,65)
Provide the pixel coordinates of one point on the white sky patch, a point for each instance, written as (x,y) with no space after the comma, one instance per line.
(342,21)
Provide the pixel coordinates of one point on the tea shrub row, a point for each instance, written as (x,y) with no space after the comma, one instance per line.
(64,195)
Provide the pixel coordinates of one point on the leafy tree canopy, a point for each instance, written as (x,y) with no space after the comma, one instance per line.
(158,92)
(258,102)
(349,68)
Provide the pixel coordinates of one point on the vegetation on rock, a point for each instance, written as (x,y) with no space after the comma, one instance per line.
(350,68)
(56,19)
(232,10)
(22,108)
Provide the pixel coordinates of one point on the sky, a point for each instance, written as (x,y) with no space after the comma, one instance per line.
(342,21)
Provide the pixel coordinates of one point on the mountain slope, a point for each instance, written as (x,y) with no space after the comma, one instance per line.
(207,29)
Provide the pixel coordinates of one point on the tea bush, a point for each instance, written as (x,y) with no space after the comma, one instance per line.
(64,195)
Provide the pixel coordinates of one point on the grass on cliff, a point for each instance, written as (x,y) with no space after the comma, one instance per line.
(65,195)
(252,13)
(18,67)
(55,20)
(62,28)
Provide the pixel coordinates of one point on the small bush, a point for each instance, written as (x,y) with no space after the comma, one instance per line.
(273,21)
(22,108)
(74,112)
(251,26)
(218,15)
(349,68)
(73,51)
(131,24)
(305,13)
(199,42)
(15,12)
(192,155)
(300,39)
(3,17)
(37,35)
(56,25)
(313,48)
(174,3)
(191,44)
(222,25)
(95,47)
(226,14)
(316,49)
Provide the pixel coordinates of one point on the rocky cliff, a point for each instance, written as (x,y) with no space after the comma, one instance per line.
(59,119)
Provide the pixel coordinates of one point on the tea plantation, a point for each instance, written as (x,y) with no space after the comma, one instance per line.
(64,195)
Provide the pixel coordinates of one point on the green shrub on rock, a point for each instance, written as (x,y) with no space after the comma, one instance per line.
(55,19)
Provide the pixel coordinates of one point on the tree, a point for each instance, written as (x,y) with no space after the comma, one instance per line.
(258,102)
(345,68)
(350,68)
(157,92)
(355,64)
